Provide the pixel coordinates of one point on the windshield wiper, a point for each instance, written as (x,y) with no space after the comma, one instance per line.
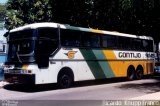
(18,57)
(22,57)
(29,54)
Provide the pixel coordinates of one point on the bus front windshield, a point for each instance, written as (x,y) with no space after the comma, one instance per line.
(33,45)
(21,46)
(21,51)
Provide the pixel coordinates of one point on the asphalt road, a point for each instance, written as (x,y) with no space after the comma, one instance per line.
(88,93)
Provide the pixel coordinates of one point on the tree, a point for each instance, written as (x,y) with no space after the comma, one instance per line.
(144,18)
(21,12)
(140,17)
(73,12)
(2,15)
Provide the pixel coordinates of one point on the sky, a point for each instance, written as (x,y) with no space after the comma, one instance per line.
(3,1)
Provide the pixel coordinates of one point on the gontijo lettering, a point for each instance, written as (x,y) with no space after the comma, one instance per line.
(129,55)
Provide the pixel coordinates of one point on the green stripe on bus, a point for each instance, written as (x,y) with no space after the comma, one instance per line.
(93,65)
(72,27)
(104,64)
(78,28)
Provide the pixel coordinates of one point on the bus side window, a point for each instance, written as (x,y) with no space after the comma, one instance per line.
(150,45)
(124,43)
(121,43)
(136,44)
(70,38)
(109,41)
(91,40)
(104,41)
(145,45)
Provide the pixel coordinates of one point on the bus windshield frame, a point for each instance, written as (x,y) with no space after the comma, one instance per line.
(32,45)
(21,46)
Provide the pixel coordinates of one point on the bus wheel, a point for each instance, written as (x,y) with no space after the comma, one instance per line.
(131,73)
(139,74)
(65,80)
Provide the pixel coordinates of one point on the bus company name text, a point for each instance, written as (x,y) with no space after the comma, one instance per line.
(129,55)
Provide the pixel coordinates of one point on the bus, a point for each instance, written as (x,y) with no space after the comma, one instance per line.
(3,57)
(43,53)
(157,59)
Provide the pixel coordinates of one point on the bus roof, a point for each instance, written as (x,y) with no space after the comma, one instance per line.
(63,26)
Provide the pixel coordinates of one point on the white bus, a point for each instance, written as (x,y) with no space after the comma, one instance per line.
(42,53)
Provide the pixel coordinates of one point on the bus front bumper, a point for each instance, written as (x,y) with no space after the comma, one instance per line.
(20,78)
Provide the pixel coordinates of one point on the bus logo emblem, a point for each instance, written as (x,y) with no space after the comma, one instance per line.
(71,54)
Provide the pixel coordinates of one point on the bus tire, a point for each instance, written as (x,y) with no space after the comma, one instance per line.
(139,73)
(65,79)
(131,73)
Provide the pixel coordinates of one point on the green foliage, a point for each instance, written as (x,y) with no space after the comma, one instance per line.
(126,4)
(21,12)
(74,12)
(2,12)
(2,15)
(139,17)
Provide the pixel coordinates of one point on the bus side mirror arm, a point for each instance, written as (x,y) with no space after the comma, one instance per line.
(6,34)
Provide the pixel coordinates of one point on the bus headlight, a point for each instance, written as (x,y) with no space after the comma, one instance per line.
(24,71)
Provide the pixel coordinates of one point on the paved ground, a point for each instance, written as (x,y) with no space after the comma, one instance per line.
(107,90)
(82,94)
